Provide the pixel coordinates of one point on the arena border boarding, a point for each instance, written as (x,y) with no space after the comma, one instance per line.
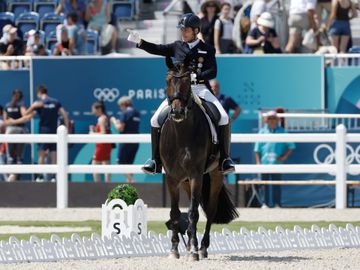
(226,242)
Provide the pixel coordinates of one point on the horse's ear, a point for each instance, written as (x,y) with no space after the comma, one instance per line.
(169,62)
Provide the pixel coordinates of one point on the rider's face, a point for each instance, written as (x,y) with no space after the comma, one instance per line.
(188,34)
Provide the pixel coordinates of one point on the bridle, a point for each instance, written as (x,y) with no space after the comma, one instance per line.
(178,95)
(185,98)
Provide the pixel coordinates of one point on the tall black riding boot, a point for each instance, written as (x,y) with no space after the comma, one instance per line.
(226,165)
(153,166)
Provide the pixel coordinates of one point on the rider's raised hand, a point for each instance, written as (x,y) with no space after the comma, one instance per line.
(134,36)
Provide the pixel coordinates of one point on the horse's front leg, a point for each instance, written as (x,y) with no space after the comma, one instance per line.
(174,216)
(196,186)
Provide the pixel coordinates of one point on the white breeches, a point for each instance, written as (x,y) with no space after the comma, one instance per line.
(202,91)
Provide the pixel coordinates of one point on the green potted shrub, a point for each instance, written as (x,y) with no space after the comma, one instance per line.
(125,192)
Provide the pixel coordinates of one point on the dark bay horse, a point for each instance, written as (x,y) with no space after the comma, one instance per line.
(190,160)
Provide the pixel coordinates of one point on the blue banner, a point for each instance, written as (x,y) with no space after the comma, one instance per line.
(260,82)
(343,94)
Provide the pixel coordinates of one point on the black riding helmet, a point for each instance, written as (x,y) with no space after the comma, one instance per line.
(189,20)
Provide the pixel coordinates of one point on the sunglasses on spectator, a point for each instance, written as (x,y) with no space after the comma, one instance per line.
(210,5)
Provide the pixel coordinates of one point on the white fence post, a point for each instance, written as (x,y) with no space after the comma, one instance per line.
(62,168)
(341,195)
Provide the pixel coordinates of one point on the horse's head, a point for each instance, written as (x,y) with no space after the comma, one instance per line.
(178,90)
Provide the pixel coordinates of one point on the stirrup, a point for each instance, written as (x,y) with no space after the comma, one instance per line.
(151,167)
(227,166)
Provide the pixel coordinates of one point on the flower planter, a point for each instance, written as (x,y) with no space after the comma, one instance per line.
(119,218)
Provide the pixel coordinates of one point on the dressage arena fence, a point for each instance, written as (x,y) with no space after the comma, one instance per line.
(226,242)
(338,164)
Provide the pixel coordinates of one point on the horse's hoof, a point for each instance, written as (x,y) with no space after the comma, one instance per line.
(194,257)
(203,254)
(174,255)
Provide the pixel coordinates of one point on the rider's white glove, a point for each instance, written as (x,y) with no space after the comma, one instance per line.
(193,77)
(134,36)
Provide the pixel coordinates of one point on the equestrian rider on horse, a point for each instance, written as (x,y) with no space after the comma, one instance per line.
(202,59)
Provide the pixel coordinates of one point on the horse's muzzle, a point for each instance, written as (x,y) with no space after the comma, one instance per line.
(178,115)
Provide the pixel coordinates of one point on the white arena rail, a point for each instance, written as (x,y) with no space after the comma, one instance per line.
(342,59)
(62,168)
(315,121)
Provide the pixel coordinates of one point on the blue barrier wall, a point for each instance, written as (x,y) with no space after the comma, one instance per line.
(10,80)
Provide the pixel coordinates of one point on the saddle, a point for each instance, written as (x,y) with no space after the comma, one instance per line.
(211,112)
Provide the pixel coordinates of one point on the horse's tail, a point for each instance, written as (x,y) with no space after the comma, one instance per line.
(226,210)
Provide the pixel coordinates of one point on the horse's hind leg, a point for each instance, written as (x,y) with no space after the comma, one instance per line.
(216,182)
(174,216)
(186,186)
(196,185)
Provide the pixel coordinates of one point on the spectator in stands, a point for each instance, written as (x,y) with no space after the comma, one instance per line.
(4,65)
(301,18)
(34,44)
(98,16)
(62,46)
(72,6)
(102,150)
(241,26)
(11,42)
(15,109)
(258,7)
(210,10)
(48,109)
(272,153)
(5,34)
(321,6)
(263,38)
(76,34)
(223,31)
(339,23)
(128,123)
(33,38)
(226,101)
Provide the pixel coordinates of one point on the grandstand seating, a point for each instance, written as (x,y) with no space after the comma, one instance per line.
(2,6)
(44,6)
(27,21)
(92,42)
(122,9)
(51,41)
(49,22)
(19,6)
(6,18)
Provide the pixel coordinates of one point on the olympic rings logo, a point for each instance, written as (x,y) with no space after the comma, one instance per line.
(330,158)
(106,94)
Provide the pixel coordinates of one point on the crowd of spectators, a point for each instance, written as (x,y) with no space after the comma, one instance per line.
(271,26)
(79,16)
(254,26)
